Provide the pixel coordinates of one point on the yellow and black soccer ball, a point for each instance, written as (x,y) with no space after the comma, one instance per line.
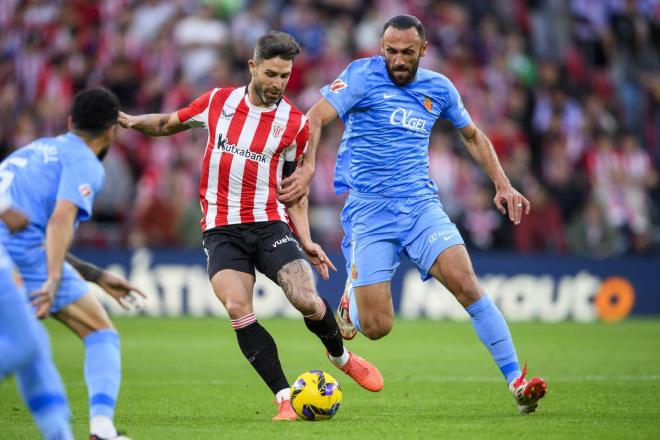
(315,395)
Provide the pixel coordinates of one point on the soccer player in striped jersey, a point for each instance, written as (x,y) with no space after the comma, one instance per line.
(257,136)
(24,345)
(54,181)
(388,106)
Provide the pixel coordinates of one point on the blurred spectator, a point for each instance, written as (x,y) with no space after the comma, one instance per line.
(543,229)
(589,233)
(568,91)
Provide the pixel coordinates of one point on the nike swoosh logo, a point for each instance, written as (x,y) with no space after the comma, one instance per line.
(448,236)
(497,342)
(389,95)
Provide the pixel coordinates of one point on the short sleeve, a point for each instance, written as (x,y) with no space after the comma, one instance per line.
(299,145)
(349,88)
(80,182)
(197,112)
(455,111)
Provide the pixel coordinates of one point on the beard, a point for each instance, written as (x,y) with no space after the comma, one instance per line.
(402,80)
(268,97)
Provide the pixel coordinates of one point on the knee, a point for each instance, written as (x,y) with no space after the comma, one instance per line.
(376,327)
(308,304)
(466,288)
(237,308)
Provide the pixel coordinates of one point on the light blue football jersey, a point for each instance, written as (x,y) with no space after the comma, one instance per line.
(39,174)
(384,149)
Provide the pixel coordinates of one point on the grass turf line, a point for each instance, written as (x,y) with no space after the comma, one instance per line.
(186,378)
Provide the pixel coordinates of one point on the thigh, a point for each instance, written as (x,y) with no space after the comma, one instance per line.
(84,316)
(225,248)
(276,247)
(431,234)
(374,302)
(372,246)
(234,290)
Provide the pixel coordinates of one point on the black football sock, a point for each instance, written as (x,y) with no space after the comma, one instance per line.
(259,348)
(327,331)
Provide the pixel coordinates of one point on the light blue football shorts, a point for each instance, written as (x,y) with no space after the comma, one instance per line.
(378,229)
(34,270)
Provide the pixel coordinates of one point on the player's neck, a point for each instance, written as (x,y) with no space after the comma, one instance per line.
(94,144)
(254,98)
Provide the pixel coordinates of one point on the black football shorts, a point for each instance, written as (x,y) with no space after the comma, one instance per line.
(266,246)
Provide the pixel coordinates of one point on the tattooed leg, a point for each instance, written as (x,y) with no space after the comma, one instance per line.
(297,281)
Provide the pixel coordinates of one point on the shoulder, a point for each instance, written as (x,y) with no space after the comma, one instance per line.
(293,110)
(366,65)
(434,78)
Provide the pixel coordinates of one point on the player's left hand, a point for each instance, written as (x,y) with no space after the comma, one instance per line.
(296,185)
(515,203)
(319,259)
(44,298)
(121,290)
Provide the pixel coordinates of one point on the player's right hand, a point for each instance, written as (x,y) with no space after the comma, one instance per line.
(319,259)
(44,298)
(296,185)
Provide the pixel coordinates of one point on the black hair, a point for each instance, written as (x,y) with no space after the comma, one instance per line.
(406,22)
(276,44)
(94,110)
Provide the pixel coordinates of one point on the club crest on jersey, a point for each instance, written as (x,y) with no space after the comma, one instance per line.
(85,190)
(277,130)
(337,85)
(428,104)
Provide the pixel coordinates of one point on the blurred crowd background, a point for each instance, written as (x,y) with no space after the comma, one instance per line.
(567,90)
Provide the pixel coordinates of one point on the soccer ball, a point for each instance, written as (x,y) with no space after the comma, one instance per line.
(315,395)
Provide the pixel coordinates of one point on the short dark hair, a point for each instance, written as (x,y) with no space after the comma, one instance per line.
(94,110)
(406,22)
(276,44)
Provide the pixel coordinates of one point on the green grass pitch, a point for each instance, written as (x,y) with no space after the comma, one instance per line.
(186,379)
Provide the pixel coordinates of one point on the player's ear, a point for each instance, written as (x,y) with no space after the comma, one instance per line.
(382,47)
(253,67)
(422,51)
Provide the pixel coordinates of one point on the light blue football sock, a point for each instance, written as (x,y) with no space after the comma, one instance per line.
(494,334)
(102,371)
(42,390)
(353,308)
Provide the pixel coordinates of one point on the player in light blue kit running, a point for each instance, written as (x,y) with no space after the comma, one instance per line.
(24,345)
(388,106)
(54,181)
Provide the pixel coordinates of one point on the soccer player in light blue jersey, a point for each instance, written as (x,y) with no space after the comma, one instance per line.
(54,181)
(24,345)
(388,106)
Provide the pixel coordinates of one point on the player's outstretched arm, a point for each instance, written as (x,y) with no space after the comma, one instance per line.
(59,234)
(163,124)
(297,185)
(116,286)
(298,215)
(507,198)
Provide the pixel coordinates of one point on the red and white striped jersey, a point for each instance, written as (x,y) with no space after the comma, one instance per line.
(245,152)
